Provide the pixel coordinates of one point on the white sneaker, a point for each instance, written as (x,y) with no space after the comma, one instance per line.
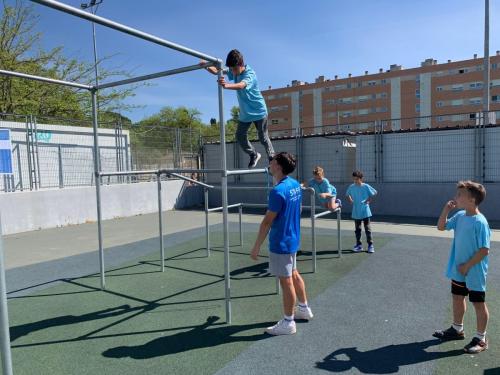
(304,313)
(283,327)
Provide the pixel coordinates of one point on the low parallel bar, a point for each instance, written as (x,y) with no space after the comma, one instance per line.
(246,171)
(215,209)
(191,180)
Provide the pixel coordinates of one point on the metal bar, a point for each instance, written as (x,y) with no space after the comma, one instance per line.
(186,170)
(215,209)
(227,266)
(313,227)
(240,213)
(19,167)
(44,79)
(160,223)
(4,316)
(125,29)
(246,171)
(97,170)
(339,235)
(207,228)
(147,77)
(128,173)
(191,180)
(324,213)
(59,159)
(254,205)
(37,155)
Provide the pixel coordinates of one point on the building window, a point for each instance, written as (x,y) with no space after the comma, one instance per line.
(462,71)
(494,66)
(417,107)
(383,81)
(364,111)
(372,83)
(457,87)
(383,95)
(457,102)
(475,101)
(495,98)
(417,93)
(363,98)
(417,78)
(381,109)
(475,85)
(439,104)
(439,88)
(275,122)
(440,118)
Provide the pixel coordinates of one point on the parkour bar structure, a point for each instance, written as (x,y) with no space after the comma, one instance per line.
(93,90)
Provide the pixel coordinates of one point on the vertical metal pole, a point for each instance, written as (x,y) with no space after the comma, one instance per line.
(486,63)
(160,222)
(240,213)
(313,229)
(4,316)
(227,280)
(207,228)
(28,150)
(97,171)
(59,159)
(339,235)
(278,286)
(19,167)
(37,153)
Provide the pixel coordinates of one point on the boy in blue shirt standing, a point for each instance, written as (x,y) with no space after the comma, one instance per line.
(253,108)
(282,220)
(325,191)
(468,263)
(359,195)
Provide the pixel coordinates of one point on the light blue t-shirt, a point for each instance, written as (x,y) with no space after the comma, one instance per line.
(322,187)
(285,199)
(359,195)
(471,234)
(252,103)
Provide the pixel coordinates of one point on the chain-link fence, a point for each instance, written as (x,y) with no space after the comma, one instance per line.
(469,148)
(58,153)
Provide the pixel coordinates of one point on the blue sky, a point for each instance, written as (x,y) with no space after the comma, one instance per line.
(281,40)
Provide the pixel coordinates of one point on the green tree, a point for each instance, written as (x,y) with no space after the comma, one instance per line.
(21,51)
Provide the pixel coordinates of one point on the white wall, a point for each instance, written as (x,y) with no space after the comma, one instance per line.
(25,211)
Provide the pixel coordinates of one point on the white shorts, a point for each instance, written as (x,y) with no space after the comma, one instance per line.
(282,265)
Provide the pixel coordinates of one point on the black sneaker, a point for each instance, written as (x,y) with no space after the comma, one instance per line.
(449,334)
(254,159)
(476,346)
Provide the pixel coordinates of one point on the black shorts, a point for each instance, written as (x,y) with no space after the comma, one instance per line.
(460,289)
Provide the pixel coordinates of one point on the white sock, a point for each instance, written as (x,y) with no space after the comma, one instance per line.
(289,318)
(458,327)
(303,305)
(480,336)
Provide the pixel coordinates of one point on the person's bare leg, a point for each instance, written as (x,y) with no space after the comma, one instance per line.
(482,316)
(299,286)
(289,297)
(459,308)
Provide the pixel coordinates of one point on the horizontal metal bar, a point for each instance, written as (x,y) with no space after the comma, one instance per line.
(154,75)
(127,173)
(190,180)
(254,205)
(246,171)
(215,209)
(170,171)
(231,187)
(324,213)
(125,29)
(44,79)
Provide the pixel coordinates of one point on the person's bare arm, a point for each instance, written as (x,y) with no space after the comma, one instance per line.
(443,218)
(476,258)
(232,86)
(264,228)
(210,69)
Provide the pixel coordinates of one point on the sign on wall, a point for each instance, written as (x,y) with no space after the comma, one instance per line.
(5,152)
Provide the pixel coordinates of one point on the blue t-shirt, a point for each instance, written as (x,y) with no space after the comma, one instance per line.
(285,199)
(359,195)
(471,234)
(322,187)
(252,103)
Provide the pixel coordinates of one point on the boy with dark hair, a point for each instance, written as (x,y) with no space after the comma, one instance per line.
(360,195)
(468,263)
(252,105)
(282,219)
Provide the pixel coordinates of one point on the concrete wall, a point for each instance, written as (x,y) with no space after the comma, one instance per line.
(393,199)
(25,211)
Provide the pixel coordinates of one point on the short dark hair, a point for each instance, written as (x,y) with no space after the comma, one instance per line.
(357,174)
(477,191)
(286,161)
(234,58)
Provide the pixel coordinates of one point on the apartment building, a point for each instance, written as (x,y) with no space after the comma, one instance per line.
(432,95)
